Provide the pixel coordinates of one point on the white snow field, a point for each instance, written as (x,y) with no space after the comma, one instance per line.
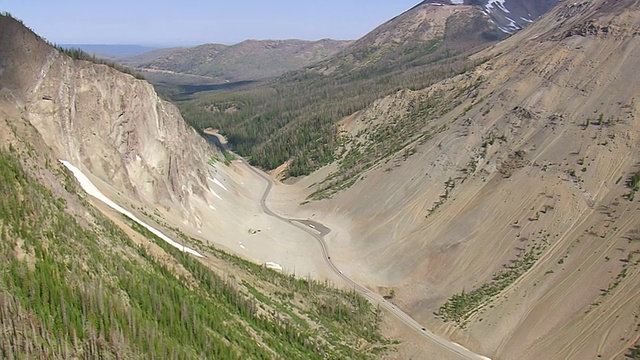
(92,190)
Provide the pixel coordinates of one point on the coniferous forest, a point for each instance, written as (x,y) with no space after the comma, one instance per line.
(295,117)
(76,286)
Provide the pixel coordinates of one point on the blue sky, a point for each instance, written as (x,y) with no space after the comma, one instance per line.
(190,22)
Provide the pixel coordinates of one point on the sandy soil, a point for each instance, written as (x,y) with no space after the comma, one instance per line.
(230,217)
(547,183)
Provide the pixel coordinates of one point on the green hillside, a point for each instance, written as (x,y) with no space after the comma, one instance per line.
(74,285)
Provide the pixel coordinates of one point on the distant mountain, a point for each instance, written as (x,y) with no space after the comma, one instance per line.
(295,116)
(416,37)
(508,15)
(110,51)
(248,60)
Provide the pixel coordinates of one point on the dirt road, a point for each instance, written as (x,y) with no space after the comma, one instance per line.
(318,231)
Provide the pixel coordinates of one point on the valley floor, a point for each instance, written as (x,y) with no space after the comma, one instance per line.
(233,220)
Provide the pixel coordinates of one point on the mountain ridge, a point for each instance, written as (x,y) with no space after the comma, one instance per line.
(509,16)
(110,51)
(247,60)
(79,280)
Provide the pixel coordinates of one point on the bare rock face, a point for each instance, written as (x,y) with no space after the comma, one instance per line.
(109,123)
(513,15)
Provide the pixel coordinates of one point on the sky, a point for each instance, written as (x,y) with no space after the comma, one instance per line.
(192,22)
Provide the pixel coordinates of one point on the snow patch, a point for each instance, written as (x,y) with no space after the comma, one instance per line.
(215,181)
(92,190)
(512,23)
(215,194)
(505,29)
(491,4)
(272,265)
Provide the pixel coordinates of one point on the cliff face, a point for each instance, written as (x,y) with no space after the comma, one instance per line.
(108,123)
(136,149)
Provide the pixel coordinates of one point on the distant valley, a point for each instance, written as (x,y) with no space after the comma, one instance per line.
(177,70)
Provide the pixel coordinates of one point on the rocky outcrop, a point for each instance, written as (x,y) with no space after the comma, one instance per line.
(508,15)
(110,124)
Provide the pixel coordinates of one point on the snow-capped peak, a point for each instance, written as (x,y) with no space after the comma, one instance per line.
(491,4)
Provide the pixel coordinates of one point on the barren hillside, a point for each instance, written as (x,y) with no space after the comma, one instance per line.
(502,206)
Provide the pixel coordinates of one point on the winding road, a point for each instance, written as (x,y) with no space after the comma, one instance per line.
(318,231)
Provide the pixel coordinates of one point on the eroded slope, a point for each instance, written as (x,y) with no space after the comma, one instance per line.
(513,190)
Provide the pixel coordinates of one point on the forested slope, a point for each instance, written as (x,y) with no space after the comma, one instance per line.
(295,116)
(73,287)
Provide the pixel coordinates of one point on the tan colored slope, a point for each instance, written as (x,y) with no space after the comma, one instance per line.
(136,148)
(535,169)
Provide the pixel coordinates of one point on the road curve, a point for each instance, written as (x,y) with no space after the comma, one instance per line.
(318,231)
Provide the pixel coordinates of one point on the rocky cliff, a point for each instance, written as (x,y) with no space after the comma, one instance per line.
(110,124)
